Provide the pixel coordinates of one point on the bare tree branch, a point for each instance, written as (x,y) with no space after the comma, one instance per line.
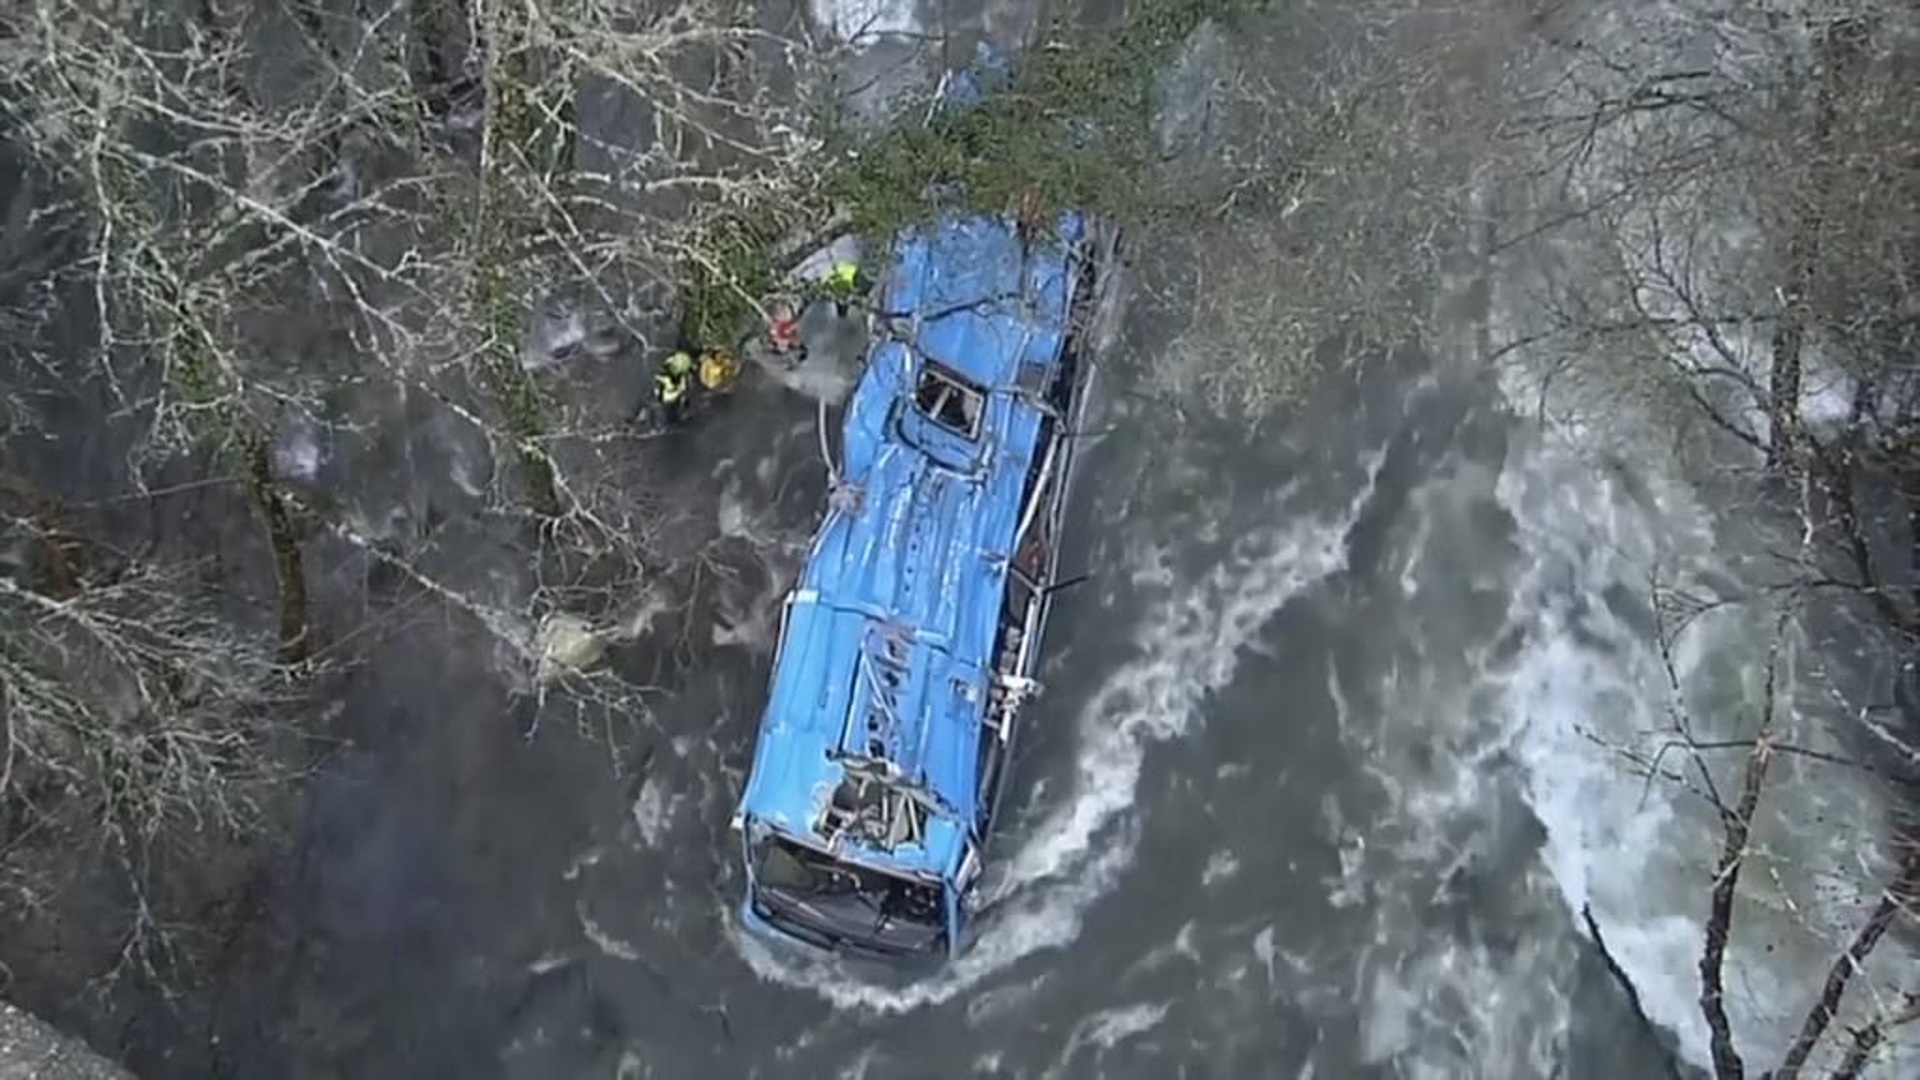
(1897,898)
(1868,1037)
(1736,825)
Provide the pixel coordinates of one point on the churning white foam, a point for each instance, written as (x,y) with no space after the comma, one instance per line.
(1103,1030)
(1587,682)
(1454,971)
(857,21)
(1187,645)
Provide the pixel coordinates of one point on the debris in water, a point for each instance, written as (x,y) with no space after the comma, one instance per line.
(652,813)
(605,942)
(591,857)
(549,962)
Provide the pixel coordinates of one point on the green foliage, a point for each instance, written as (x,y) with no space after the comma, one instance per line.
(1072,131)
(205,400)
(995,158)
(533,120)
(728,269)
(525,142)
(500,300)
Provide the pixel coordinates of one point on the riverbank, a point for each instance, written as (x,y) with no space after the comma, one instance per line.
(32,1050)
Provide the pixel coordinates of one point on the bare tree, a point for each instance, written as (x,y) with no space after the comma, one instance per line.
(1344,174)
(422,180)
(1732,767)
(1722,206)
(317,241)
(1745,229)
(137,719)
(421,177)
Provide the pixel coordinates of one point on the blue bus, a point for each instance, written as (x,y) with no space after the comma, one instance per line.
(911,640)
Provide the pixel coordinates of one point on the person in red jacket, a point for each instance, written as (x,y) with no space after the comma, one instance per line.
(783,332)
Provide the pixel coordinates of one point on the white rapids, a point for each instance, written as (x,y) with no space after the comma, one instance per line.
(1189,644)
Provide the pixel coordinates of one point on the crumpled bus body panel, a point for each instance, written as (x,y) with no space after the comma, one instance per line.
(912,634)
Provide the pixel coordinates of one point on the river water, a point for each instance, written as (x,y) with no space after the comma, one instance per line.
(1324,772)
(1319,783)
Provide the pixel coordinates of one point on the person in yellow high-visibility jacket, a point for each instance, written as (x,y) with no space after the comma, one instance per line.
(844,283)
(673,383)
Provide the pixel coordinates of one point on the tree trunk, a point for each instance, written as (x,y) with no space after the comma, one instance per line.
(1898,893)
(1789,337)
(1803,249)
(278,515)
(1868,1039)
(1736,825)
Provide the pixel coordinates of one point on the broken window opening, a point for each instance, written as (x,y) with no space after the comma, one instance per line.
(870,805)
(832,901)
(948,400)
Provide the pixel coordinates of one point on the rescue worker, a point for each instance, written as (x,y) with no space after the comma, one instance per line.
(718,370)
(844,284)
(672,385)
(783,332)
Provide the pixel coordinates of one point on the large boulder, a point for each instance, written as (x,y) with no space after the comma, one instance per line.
(1187,94)
(568,643)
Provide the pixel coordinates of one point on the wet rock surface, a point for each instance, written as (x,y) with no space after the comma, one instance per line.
(1188,91)
(32,1050)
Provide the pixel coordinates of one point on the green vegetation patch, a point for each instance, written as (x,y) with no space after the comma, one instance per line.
(500,300)
(523,138)
(1073,130)
(213,414)
(729,268)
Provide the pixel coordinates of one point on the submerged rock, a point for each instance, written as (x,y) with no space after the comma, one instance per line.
(565,331)
(298,455)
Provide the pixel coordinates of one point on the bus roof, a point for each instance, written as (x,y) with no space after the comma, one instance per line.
(886,654)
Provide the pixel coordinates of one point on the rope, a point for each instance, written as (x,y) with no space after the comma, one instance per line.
(826,451)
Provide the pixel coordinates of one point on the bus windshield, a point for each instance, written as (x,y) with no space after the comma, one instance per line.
(820,899)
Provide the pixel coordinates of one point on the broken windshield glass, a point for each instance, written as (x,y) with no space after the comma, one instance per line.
(822,897)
